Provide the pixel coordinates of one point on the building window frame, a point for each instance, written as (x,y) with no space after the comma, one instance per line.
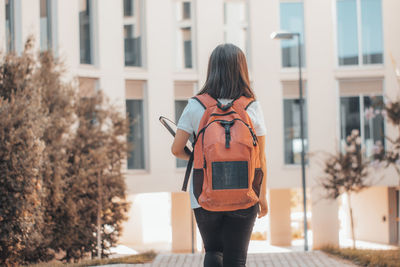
(360,94)
(92,33)
(49,25)
(10,38)
(360,55)
(294,40)
(137,90)
(180,163)
(183,91)
(179,25)
(290,91)
(139,7)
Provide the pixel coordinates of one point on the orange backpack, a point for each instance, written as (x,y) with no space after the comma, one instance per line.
(227,172)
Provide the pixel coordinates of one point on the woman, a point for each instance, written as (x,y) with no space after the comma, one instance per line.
(225,234)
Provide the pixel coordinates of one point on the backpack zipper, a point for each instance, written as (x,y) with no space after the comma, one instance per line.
(205,127)
(236,119)
(218,114)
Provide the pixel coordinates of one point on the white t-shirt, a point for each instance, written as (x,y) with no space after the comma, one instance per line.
(190,121)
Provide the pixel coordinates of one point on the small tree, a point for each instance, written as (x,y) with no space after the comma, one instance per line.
(391,109)
(346,173)
(61,183)
(57,104)
(96,194)
(390,157)
(39,74)
(21,160)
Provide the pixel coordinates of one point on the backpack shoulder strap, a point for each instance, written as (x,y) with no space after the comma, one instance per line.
(242,103)
(205,100)
(188,171)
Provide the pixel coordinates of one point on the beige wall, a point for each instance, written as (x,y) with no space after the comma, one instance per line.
(324,220)
(159,74)
(391,21)
(279,214)
(28,15)
(371,214)
(183,226)
(322,112)
(133,234)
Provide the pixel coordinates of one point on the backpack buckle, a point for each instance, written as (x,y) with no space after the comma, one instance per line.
(227,125)
(224,108)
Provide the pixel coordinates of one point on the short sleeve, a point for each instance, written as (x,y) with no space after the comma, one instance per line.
(257,118)
(185,121)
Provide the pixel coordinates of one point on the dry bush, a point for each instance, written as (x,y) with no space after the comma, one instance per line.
(61,156)
(367,257)
(346,173)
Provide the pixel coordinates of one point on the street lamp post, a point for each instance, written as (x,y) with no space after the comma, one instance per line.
(289,36)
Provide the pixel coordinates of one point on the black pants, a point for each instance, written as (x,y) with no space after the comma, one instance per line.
(226,235)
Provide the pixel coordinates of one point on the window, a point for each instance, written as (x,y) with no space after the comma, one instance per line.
(10,26)
(372,44)
(186,10)
(128,8)
(133,32)
(291,113)
(236,24)
(86,31)
(45,25)
(359,32)
(184,34)
(292,20)
(135,111)
(183,90)
(360,109)
(88,86)
(179,107)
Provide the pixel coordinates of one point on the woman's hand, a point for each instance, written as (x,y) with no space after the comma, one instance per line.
(263,194)
(263,207)
(178,146)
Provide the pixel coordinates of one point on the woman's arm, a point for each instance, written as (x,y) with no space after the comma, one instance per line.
(263,193)
(179,144)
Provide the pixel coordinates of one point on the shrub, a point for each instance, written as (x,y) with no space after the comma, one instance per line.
(62,188)
(346,173)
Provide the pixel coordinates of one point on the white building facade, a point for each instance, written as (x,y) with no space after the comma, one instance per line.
(150,56)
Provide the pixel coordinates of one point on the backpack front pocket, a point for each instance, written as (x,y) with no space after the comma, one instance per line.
(258,176)
(198,178)
(229,175)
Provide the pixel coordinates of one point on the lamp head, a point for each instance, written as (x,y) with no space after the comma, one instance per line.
(283,35)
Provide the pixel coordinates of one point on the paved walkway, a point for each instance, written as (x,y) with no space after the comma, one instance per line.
(287,259)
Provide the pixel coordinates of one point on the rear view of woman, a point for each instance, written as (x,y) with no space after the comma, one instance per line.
(228,188)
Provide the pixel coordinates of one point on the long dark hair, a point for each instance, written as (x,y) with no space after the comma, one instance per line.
(227,74)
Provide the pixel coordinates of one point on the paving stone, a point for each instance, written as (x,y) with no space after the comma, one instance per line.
(286,259)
